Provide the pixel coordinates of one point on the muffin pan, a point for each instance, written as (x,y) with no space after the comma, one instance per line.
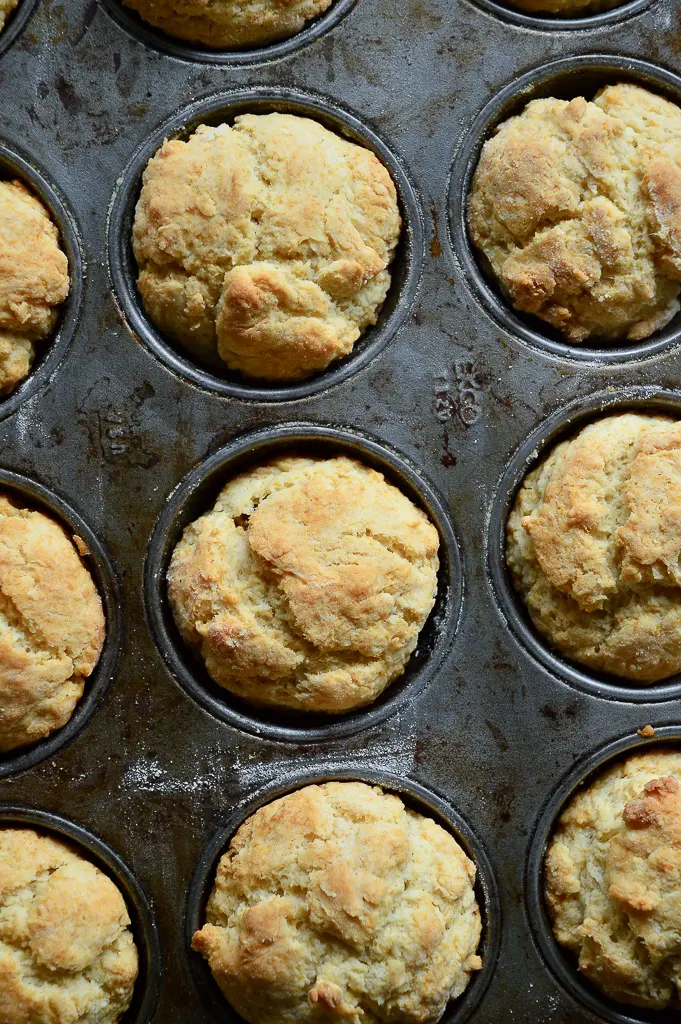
(451,394)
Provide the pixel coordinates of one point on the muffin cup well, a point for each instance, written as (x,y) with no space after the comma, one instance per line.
(50,351)
(562,79)
(195,496)
(156,38)
(224,108)
(100,565)
(416,797)
(559,425)
(143,923)
(545,22)
(560,961)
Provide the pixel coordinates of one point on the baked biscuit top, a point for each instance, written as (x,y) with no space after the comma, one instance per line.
(593,546)
(612,879)
(307,584)
(67,955)
(51,625)
(337,902)
(575,206)
(265,246)
(34,280)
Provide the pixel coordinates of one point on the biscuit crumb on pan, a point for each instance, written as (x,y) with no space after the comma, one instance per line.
(229,24)
(337,902)
(51,625)
(575,207)
(67,955)
(34,280)
(593,546)
(264,246)
(307,584)
(612,880)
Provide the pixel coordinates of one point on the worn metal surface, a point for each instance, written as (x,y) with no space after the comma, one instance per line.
(115,430)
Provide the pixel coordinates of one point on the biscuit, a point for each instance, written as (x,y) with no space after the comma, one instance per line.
(575,208)
(337,902)
(264,247)
(34,280)
(51,625)
(612,880)
(67,955)
(229,24)
(593,546)
(6,8)
(307,584)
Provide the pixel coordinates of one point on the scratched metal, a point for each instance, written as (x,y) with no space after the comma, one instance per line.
(114,430)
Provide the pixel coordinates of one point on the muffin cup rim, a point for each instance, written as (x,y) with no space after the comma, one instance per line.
(544,22)
(104,574)
(17,22)
(144,926)
(266,442)
(457,190)
(426,800)
(336,117)
(50,352)
(554,956)
(564,422)
(172,46)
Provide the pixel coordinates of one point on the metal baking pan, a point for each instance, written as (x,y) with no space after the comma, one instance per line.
(452,394)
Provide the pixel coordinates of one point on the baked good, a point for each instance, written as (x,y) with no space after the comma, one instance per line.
(229,24)
(6,8)
(593,546)
(337,902)
(264,246)
(51,625)
(34,280)
(575,208)
(67,955)
(566,8)
(612,879)
(307,584)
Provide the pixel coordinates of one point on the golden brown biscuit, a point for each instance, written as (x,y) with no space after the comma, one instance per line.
(6,8)
(593,546)
(612,879)
(576,208)
(265,246)
(67,955)
(307,585)
(34,280)
(229,24)
(336,902)
(51,625)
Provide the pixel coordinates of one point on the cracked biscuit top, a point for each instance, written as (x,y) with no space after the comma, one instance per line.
(593,546)
(229,24)
(67,955)
(34,280)
(612,880)
(307,584)
(338,903)
(265,246)
(51,625)
(576,208)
